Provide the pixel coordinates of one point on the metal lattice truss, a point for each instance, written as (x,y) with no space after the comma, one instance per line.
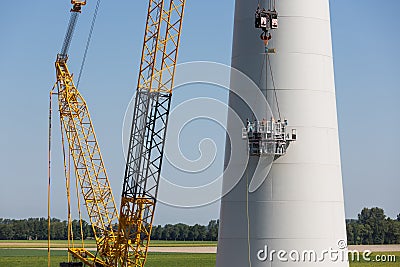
(89,167)
(149,125)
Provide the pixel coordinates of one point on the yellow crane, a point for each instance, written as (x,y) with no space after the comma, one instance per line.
(149,125)
(122,239)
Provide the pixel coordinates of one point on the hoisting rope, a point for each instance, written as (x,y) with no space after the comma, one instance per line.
(248,218)
(49,180)
(262,69)
(79,212)
(267,62)
(96,10)
(273,84)
(88,42)
(67,174)
(272,5)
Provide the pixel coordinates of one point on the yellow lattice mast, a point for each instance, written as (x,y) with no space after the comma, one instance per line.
(83,148)
(88,165)
(149,125)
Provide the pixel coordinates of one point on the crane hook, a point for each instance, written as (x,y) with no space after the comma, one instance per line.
(77,5)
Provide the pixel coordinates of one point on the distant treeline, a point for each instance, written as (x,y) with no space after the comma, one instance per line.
(37,229)
(371,227)
(183,232)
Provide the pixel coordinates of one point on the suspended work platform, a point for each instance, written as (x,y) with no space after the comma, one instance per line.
(266,138)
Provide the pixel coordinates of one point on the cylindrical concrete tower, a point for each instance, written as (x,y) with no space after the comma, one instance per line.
(298,211)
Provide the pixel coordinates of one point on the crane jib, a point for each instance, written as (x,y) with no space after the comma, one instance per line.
(69,34)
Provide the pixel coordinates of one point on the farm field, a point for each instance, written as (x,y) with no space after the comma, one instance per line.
(38,258)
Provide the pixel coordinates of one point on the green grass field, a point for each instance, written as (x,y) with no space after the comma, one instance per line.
(38,258)
(373,263)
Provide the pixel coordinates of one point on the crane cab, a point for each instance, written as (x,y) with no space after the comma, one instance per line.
(77,5)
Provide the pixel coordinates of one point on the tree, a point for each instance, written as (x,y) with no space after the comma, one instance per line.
(375,218)
(183,231)
(202,233)
(389,236)
(365,234)
(212,230)
(42,232)
(157,233)
(396,232)
(196,232)
(166,233)
(6,232)
(351,237)
(174,233)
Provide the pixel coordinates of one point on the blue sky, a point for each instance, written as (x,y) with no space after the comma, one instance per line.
(366,55)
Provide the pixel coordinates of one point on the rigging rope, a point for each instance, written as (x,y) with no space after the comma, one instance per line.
(69,200)
(79,211)
(67,172)
(88,42)
(49,180)
(248,217)
(273,84)
(267,62)
(262,69)
(261,76)
(271,5)
(67,185)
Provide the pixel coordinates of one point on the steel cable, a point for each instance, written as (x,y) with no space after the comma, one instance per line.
(273,84)
(248,219)
(49,179)
(88,42)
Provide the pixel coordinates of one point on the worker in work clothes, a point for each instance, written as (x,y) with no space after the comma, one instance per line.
(249,126)
(265,37)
